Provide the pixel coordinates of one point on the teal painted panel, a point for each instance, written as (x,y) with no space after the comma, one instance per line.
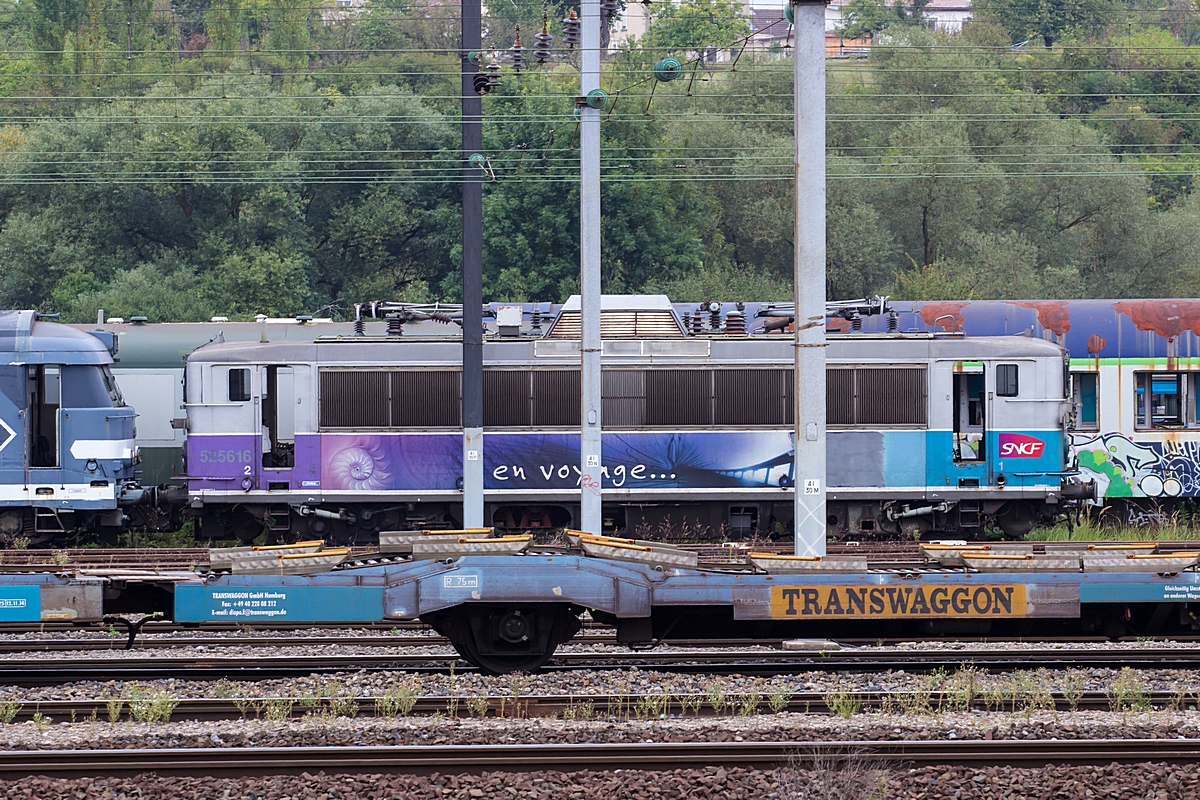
(20,604)
(279,603)
(1152,590)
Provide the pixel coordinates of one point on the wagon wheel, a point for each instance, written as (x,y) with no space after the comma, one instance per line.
(503,639)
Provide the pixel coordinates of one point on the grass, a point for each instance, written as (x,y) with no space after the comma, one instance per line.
(1091,532)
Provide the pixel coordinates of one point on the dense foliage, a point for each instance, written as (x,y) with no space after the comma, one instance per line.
(196,157)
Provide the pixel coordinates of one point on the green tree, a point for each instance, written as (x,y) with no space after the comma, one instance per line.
(697,26)
(1049,19)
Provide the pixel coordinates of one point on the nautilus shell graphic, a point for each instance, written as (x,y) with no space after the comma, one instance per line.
(361,466)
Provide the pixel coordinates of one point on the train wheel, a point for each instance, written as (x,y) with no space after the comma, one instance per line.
(1016,519)
(503,639)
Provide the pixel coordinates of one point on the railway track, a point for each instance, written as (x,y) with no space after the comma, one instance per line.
(639,705)
(39,672)
(658,756)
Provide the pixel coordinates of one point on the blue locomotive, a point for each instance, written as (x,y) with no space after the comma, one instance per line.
(67,439)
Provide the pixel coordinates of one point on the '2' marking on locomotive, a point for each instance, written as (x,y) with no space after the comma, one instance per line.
(865,602)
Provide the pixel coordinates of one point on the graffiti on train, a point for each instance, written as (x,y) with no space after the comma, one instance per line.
(1123,467)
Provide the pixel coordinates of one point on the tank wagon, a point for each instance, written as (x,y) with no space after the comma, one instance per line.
(346,436)
(67,451)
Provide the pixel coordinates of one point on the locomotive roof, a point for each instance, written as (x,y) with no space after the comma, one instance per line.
(25,339)
(852,347)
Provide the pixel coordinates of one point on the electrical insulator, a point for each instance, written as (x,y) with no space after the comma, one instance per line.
(481,83)
(571,29)
(518,53)
(668,69)
(609,8)
(542,42)
(789,13)
(493,76)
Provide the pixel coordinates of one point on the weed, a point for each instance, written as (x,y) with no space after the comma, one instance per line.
(477,706)
(114,706)
(578,711)
(1179,699)
(778,699)
(278,709)
(20,543)
(748,705)
(149,706)
(8,711)
(452,703)
(963,688)
(516,690)
(1127,692)
(343,706)
(652,706)
(690,702)
(224,690)
(397,700)
(41,721)
(1072,685)
(244,704)
(844,704)
(717,699)
(849,775)
(60,558)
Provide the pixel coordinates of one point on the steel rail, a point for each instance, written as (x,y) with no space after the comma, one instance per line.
(43,672)
(656,756)
(634,705)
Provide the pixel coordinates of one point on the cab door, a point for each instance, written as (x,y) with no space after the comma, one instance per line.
(43,424)
(969,397)
(224,438)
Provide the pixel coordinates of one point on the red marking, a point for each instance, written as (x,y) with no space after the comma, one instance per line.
(1018,445)
(1096,344)
(1052,314)
(932,313)
(1167,318)
(591,484)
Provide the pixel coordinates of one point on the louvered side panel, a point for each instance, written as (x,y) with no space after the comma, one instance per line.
(889,396)
(353,399)
(506,398)
(556,398)
(748,397)
(677,397)
(839,396)
(624,398)
(427,399)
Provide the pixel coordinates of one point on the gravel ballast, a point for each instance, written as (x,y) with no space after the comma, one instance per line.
(1118,782)
(327,731)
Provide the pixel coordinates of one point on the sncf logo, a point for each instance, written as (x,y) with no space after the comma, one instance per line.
(1018,445)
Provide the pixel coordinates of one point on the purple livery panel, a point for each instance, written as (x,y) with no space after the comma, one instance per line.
(373,462)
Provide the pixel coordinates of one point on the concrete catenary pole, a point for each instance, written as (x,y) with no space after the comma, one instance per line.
(591,519)
(809,279)
(472,269)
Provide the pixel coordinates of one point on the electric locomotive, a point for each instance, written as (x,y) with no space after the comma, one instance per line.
(346,436)
(67,449)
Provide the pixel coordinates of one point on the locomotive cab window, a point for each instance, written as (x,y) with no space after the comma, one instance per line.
(42,400)
(1006,380)
(1085,399)
(239,385)
(279,417)
(1164,400)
